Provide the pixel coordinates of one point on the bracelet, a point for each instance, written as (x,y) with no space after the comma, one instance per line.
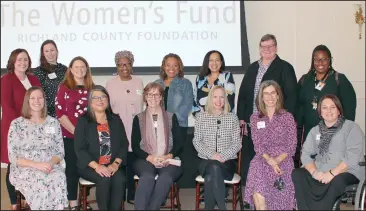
(330,171)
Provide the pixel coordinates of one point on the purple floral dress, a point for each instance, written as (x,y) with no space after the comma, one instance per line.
(273,137)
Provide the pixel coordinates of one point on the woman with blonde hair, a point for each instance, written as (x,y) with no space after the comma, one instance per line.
(35,152)
(217,141)
(269,185)
(71,102)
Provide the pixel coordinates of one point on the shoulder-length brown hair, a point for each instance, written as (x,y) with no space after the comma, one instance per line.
(180,74)
(13,58)
(69,80)
(26,109)
(151,86)
(209,103)
(259,100)
(42,60)
(335,100)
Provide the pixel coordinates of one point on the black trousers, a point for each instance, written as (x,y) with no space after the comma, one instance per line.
(11,188)
(131,158)
(214,174)
(151,193)
(110,191)
(247,155)
(313,195)
(71,171)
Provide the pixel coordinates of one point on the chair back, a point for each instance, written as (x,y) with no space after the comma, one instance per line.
(239,153)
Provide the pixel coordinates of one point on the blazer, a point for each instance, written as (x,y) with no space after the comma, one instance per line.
(180,98)
(86,140)
(280,71)
(12,97)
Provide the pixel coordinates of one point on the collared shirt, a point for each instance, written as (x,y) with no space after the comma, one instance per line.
(261,71)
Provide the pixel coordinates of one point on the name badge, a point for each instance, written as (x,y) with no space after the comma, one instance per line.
(317,137)
(138,91)
(320,86)
(50,130)
(261,124)
(52,76)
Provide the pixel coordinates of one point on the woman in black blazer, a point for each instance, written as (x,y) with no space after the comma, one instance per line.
(269,67)
(101,148)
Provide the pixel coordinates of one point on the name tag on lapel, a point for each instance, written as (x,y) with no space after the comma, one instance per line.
(317,137)
(261,124)
(50,130)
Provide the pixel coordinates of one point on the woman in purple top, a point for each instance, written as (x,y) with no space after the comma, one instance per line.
(269,185)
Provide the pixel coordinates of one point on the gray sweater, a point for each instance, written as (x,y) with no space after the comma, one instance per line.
(347,145)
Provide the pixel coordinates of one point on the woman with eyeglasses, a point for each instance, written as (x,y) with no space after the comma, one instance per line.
(125,91)
(101,148)
(322,79)
(157,143)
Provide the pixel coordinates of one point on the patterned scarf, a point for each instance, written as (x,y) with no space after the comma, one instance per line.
(326,134)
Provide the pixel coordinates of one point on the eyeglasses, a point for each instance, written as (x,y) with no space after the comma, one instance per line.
(149,95)
(100,98)
(272,94)
(127,65)
(322,60)
(268,47)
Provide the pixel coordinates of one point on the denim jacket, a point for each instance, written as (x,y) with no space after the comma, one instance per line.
(180,98)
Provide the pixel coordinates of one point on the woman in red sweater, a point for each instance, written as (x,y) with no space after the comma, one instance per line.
(14,84)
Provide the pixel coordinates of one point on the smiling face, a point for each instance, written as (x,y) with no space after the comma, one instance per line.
(218,99)
(270,96)
(268,50)
(36,101)
(329,111)
(78,69)
(171,67)
(321,61)
(50,53)
(124,67)
(99,101)
(153,98)
(21,63)
(215,62)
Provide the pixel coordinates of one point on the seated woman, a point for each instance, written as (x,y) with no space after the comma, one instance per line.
(337,145)
(269,184)
(101,148)
(155,139)
(217,141)
(35,152)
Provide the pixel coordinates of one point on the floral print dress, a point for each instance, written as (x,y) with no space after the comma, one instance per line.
(39,143)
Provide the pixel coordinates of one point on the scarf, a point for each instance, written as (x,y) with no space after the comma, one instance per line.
(155,142)
(326,134)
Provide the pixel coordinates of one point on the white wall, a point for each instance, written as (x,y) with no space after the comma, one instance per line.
(299,27)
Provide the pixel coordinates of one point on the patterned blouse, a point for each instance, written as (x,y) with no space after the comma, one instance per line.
(50,82)
(72,103)
(202,89)
(217,134)
(105,144)
(261,71)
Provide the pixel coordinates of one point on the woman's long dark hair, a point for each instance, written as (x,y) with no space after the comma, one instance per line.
(90,113)
(205,69)
(327,51)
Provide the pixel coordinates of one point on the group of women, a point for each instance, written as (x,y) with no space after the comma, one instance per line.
(57,116)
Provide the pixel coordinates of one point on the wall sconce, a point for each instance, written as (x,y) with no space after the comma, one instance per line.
(359,18)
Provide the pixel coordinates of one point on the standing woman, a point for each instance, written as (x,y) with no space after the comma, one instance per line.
(178,91)
(322,79)
(125,91)
(213,73)
(14,85)
(71,102)
(50,73)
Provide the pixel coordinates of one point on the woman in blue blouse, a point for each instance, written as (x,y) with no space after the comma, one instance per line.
(213,73)
(178,91)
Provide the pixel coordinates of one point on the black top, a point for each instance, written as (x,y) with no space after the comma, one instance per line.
(87,145)
(280,71)
(50,86)
(136,138)
(166,97)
